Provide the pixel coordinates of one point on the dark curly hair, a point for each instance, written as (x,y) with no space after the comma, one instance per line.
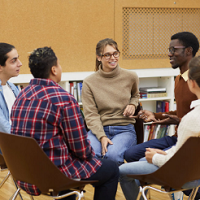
(41,60)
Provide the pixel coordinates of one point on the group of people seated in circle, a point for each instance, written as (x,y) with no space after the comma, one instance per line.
(108,152)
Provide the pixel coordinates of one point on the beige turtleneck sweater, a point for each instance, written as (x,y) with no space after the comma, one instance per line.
(105,95)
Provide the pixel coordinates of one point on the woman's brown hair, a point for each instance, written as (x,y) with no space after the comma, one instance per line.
(100,47)
(194,70)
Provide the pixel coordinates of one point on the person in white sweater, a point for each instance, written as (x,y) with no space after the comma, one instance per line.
(188,127)
(110,97)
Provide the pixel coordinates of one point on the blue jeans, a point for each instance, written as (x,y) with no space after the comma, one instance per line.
(137,152)
(123,137)
(130,186)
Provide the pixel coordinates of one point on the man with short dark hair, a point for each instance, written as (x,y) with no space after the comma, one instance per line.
(9,67)
(45,111)
(182,49)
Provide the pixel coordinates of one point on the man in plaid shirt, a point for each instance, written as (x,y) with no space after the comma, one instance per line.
(49,114)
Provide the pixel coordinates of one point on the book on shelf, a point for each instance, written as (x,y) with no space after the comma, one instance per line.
(71,87)
(152,131)
(76,90)
(152,95)
(152,92)
(163,131)
(20,87)
(162,106)
(147,128)
(79,91)
(155,131)
(152,89)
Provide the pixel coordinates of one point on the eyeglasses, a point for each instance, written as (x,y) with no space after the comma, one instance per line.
(172,50)
(108,56)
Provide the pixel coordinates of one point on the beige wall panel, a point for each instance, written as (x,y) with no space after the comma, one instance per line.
(119,5)
(71,27)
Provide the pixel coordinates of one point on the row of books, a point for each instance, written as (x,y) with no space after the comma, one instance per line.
(155,131)
(152,92)
(76,90)
(162,106)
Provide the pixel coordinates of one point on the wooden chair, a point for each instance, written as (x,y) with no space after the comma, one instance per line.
(139,126)
(27,162)
(183,167)
(4,167)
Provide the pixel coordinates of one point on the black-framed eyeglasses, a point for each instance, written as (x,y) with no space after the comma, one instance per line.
(108,56)
(172,50)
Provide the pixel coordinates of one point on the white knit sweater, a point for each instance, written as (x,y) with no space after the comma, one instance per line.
(188,127)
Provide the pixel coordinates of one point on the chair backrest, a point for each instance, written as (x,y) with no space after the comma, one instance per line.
(139,127)
(183,167)
(27,162)
(2,162)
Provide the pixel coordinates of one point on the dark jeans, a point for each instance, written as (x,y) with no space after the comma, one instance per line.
(106,187)
(137,152)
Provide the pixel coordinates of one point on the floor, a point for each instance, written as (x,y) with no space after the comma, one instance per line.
(8,189)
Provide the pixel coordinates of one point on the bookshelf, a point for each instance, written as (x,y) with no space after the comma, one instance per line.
(162,77)
(159,77)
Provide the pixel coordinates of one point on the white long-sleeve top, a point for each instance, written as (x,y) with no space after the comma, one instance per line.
(188,127)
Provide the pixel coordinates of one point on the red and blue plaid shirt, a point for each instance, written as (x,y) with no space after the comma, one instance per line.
(49,114)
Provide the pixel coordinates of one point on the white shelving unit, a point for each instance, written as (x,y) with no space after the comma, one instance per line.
(159,77)
(163,77)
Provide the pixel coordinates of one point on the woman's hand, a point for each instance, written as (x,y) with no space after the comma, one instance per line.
(129,111)
(104,143)
(151,152)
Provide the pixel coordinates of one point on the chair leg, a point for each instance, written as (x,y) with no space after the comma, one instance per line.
(140,193)
(149,187)
(5,179)
(193,193)
(15,194)
(80,195)
(17,188)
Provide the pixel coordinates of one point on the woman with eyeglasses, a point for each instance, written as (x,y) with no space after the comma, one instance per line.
(110,97)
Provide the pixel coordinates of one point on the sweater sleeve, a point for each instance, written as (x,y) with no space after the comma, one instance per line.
(135,91)
(91,113)
(160,159)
